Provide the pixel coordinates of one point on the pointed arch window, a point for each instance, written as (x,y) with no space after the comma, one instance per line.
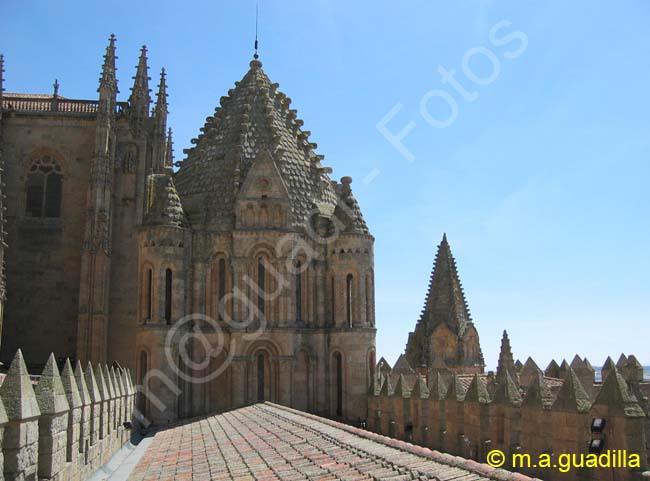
(44,188)
(168,296)
(148,293)
(349,281)
(221,287)
(261,285)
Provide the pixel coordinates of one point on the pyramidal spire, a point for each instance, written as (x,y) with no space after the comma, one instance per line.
(445,301)
(506,362)
(108,80)
(140,98)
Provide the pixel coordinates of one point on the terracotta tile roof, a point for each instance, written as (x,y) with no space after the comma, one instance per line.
(270,442)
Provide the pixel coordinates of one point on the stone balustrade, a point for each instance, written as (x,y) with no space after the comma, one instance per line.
(66,425)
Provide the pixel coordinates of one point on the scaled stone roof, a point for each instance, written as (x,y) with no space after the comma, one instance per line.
(164,205)
(255,116)
(270,442)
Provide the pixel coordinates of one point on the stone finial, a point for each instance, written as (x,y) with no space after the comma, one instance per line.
(622,362)
(456,391)
(615,394)
(91,383)
(109,382)
(375,386)
(633,370)
(518,365)
(101,383)
(70,386)
(607,367)
(17,393)
(507,391)
(402,366)
(49,390)
(386,388)
(477,392)
(437,387)
(420,389)
(538,394)
(81,384)
(117,383)
(401,388)
(553,369)
(529,373)
(169,150)
(572,395)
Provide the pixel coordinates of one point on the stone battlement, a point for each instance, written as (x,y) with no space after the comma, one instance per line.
(65,425)
(520,410)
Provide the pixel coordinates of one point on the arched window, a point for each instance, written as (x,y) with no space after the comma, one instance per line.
(348,298)
(260,377)
(44,188)
(149,293)
(338,370)
(261,285)
(369,316)
(298,291)
(168,296)
(221,288)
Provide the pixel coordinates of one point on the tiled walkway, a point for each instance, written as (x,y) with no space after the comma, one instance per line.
(270,442)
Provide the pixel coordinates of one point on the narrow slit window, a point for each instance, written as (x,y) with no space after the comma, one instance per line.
(168,296)
(221,288)
(348,299)
(261,285)
(149,293)
(299,291)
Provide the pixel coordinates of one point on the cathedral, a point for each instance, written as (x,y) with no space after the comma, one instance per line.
(241,273)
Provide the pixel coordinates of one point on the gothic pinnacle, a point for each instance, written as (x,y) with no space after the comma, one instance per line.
(169,152)
(161,98)
(140,98)
(2,71)
(108,78)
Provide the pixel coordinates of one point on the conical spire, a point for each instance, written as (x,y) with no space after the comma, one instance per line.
(108,80)
(538,393)
(140,98)
(615,394)
(507,391)
(70,385)
(49,391)
(445,302)
(80,377)
(506,362)
(16,391)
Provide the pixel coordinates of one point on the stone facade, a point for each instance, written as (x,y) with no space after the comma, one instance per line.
(245,275)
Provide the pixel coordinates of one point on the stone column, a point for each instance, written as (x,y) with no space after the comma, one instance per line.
(74,416)
(53,423)
(20,441)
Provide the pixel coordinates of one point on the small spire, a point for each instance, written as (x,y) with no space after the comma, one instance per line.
(108,78)
(169,153)
(161,98)
(506,362)
(56,87)
(140,99)
(2,71)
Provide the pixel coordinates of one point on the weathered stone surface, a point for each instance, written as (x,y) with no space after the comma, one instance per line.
(17,393)
(49,391)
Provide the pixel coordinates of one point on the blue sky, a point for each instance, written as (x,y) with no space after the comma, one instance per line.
(540,181)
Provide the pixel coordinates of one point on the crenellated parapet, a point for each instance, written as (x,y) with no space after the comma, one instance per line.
(525,412)
(46,426)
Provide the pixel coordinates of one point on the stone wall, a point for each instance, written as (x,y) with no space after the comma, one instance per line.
(442,414)
(65,425)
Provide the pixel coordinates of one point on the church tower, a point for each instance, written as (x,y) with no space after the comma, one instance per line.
(445,331)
